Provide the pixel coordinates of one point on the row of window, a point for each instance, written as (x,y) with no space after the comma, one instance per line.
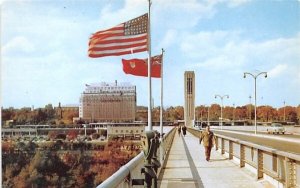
(110,98)
(110,88)
(127,131)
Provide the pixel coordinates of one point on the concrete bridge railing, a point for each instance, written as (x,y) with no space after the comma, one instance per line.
(280,168)
(125,177)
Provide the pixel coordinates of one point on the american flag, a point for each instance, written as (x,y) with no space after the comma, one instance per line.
(126,38)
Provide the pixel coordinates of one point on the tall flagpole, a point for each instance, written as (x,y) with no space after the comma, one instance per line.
(161,92)
(149,71)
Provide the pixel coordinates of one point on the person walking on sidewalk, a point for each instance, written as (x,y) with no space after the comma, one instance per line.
(184,130)
(179,130)
(208,139)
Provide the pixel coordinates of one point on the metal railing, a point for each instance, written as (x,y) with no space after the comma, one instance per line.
(126,175)
(282,167)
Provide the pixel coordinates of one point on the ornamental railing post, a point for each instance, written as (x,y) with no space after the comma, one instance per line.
(230,149)
(222,146)
(290,173)
(217,143)
(242,155)
(260,164)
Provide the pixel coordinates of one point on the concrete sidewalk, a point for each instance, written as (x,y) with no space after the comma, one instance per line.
(186,167)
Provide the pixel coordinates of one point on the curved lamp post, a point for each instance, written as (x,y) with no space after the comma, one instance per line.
(255,76)
(222,97)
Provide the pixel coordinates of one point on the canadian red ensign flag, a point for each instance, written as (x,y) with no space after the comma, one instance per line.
(126,38)
(139,67)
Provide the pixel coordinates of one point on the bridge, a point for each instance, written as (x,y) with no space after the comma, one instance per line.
(234,163)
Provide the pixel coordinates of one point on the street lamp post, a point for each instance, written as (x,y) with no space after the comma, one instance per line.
(250,113)
(255,76)
(221,97)
(84,130)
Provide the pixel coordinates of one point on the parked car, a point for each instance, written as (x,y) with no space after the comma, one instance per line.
(276,128)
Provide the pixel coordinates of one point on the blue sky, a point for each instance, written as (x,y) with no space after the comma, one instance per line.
(44,49)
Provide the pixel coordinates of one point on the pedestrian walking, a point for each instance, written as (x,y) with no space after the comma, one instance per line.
(179,130)
(208,139)
(184,130)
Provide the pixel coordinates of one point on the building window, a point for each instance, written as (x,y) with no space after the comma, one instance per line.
(189,86)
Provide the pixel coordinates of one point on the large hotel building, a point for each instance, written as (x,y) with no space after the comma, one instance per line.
(108,102)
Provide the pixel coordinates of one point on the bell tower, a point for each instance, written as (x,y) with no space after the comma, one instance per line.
(189,98)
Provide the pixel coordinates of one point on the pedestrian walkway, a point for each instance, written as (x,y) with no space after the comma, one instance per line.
(186,167)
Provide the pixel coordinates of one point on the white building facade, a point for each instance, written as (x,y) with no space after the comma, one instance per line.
(108,102)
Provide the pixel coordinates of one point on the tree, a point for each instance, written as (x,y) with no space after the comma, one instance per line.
(201,110)
(214,112)
(22,179)
(52,134)
(9,173)
(49,111)
(266,113)
(37,179)
(72,134)
(78,173)
(7,114)
(240,112)
(41,116)
(298,114)
(291,114)
(21,116)
(228,112)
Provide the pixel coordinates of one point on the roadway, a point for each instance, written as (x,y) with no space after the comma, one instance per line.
(288,142)
(283,136)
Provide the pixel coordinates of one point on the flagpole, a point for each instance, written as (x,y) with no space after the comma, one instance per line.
(161,92)
(149,71)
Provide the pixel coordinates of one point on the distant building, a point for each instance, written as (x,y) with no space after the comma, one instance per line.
(189,98)
(108,102)
(62,111)
(120,130)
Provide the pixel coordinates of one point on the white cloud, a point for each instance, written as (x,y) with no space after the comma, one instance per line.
(169,38)
(181,15)
(19,44)
(277,70)
(203,44)
(109,17)
(229,3)
(225,49)
(236,3)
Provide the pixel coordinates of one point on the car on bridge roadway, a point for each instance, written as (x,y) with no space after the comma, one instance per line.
(276,128)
